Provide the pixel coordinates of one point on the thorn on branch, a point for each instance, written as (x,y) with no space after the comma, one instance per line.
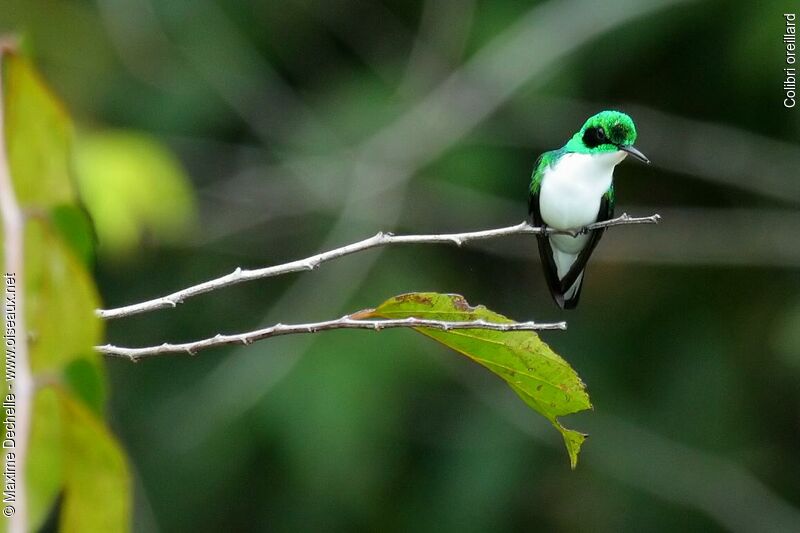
(380,239)
(192,348)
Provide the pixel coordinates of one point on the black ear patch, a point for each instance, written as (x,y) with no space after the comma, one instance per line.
(594,137)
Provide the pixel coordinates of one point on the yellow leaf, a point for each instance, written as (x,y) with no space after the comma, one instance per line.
(97,482)
(60,299)
(38,137)
(132,186)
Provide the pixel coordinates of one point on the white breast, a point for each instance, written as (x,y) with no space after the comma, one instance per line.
(573,186)
(571,192)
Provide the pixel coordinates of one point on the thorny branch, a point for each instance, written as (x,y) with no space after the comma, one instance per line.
(380,239)
(346,322)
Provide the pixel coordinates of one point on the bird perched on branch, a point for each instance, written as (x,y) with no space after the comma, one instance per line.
(572,187)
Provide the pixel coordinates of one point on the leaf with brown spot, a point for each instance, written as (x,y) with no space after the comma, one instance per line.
(543,380)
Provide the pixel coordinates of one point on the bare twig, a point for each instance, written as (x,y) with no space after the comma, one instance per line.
(16,346)
(380,239)
(346,322)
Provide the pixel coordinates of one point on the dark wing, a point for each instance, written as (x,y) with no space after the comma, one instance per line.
(606,212)
(545,252)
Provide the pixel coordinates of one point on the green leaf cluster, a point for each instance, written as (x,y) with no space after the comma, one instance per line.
(71,452)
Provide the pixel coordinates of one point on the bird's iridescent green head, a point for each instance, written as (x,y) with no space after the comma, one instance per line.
(607,131)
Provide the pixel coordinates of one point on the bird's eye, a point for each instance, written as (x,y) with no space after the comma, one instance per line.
(594,137)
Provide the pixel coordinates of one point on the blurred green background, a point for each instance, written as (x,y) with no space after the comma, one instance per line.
(307,124)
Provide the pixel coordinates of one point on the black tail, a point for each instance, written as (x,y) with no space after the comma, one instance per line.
(572,302)
(559,287)
(550,272)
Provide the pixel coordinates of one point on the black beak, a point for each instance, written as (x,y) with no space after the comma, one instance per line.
(635,153)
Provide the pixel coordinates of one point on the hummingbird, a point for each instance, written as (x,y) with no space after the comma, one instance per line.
(573,187)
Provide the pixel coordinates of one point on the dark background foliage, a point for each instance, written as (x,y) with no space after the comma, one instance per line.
(285,116)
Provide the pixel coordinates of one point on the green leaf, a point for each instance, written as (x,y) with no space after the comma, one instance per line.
(75,228)
(97,482)
(132,186)
(70,449)
(45,470)
(38,137)
(543,380)
(86,379)
(60,299)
